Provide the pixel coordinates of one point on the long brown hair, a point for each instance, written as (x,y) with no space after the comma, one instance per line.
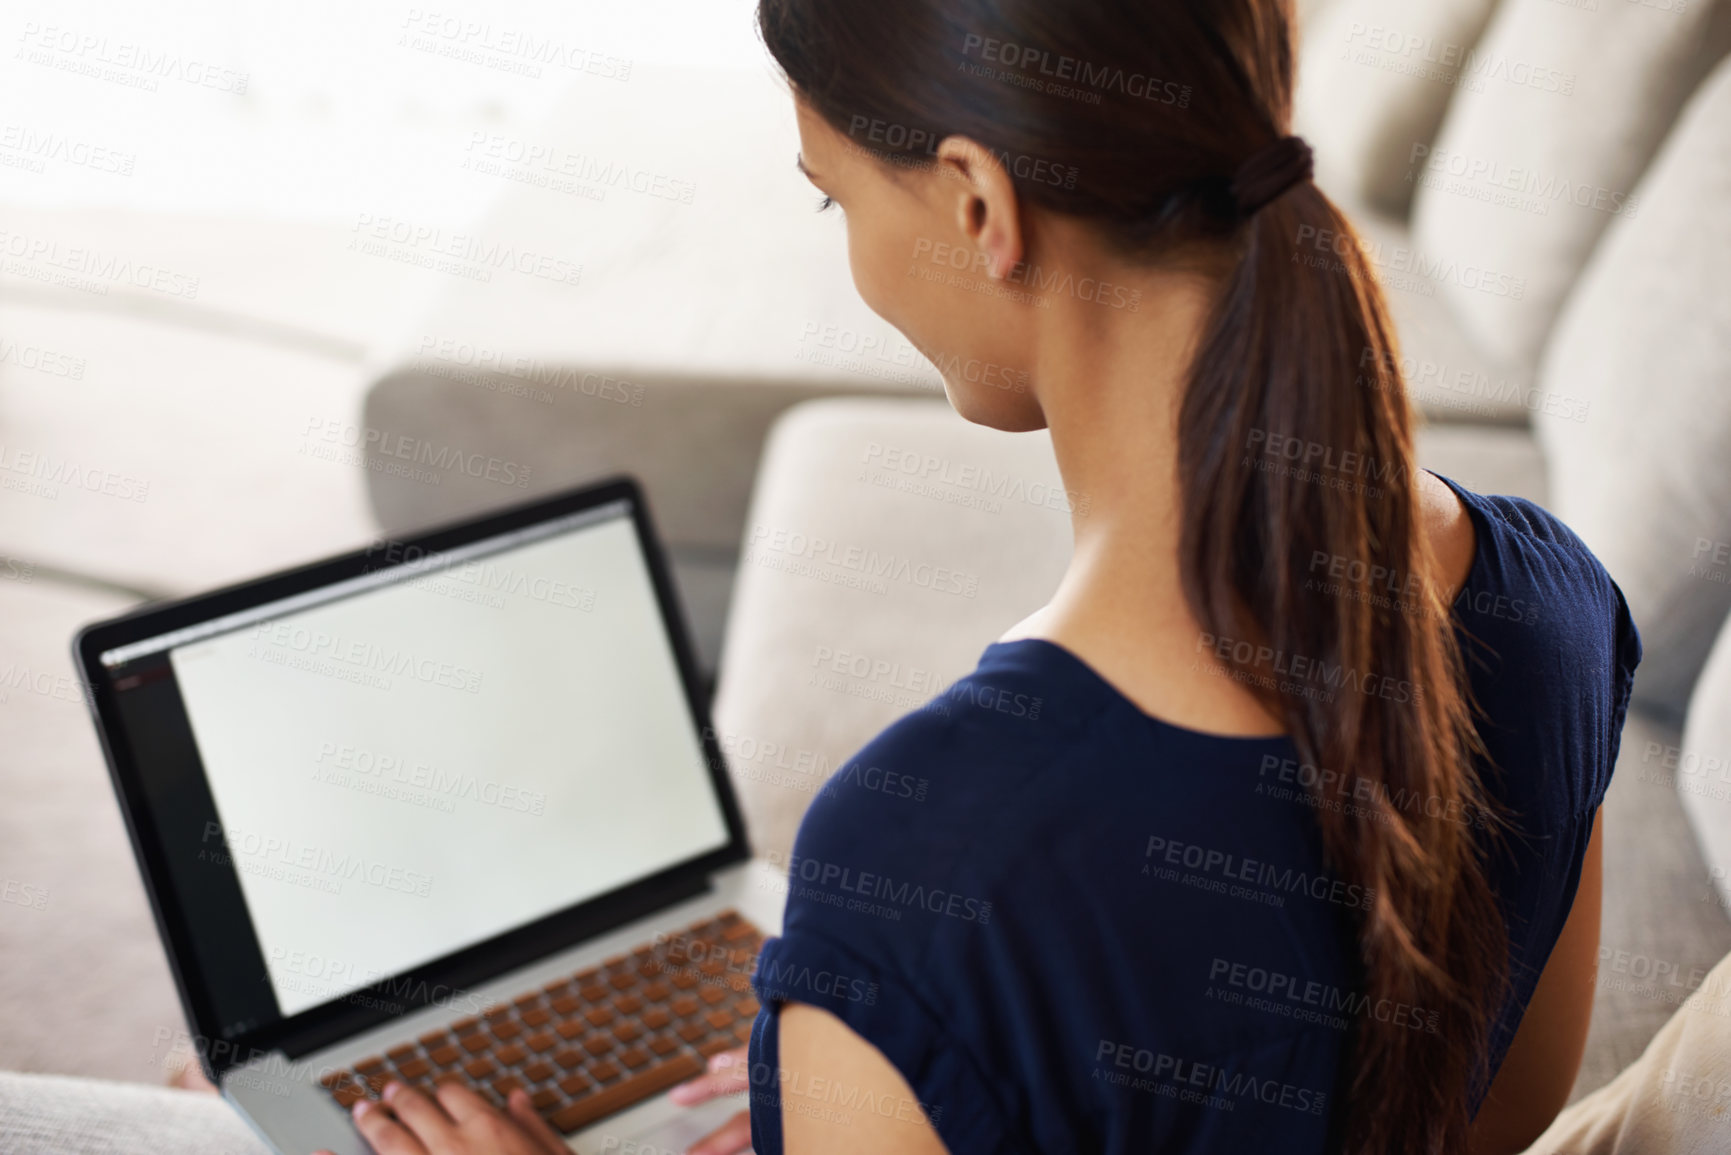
(1148,110)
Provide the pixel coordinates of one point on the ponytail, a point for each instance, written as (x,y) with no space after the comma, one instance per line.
(1296,450)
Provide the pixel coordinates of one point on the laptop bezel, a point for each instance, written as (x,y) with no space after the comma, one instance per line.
(358,1011)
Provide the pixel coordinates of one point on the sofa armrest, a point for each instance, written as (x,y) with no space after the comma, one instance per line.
(888,543)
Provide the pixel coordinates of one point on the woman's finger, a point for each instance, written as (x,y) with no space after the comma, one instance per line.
(461,1102)
(385,1134)
(523,1111)
(730,1138)
(727,1075)
(425,1118)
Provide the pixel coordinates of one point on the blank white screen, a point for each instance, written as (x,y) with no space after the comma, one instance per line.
(419,767)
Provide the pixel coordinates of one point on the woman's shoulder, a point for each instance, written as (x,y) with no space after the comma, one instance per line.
(949,766)
(1536,584)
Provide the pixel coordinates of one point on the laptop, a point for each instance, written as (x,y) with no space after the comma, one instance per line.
(449,807)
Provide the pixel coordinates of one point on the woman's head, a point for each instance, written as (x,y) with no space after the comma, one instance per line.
(1002,164)
(1005,162)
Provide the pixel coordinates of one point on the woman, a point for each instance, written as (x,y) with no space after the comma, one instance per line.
(1300,852)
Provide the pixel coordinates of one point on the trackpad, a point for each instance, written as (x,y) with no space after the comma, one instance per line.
(659,1127)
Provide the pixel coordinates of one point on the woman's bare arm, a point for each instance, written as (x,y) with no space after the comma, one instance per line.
(824,1066)
(1534,1081)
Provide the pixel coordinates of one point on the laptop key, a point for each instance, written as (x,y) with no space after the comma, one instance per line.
(634,1089)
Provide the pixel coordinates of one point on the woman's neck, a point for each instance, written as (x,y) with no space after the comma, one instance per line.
(1110,383)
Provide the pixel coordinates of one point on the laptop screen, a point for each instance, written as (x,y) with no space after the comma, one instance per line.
(382,772)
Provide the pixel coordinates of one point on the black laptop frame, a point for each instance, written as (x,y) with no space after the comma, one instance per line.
(398,995)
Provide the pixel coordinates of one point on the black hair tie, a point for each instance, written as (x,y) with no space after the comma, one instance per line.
(1269,173)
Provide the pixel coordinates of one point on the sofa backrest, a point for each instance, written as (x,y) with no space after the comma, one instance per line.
(1374,81)
(1556,115)
(1643,471)
(1701,768)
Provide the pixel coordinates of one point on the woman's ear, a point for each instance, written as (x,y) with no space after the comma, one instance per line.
(985,199)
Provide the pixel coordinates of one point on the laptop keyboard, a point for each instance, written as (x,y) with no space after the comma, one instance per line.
(596,1042)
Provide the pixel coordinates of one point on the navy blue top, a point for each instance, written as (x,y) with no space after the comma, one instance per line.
(1072,926)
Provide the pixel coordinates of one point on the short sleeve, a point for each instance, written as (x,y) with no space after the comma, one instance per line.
(887,1011)
(1624,661)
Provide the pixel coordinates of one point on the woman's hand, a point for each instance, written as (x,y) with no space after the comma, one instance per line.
(457,1122)
(727,1076)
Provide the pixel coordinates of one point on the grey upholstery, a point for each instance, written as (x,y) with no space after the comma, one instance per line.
(1643,479)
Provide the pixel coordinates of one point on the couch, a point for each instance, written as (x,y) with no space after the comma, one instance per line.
(1556,260)
(1537,184)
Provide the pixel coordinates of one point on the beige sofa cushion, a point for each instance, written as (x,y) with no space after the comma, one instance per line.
(1374,80)
(1553,122)
(1701,768)
(1645,479)
(888,543)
